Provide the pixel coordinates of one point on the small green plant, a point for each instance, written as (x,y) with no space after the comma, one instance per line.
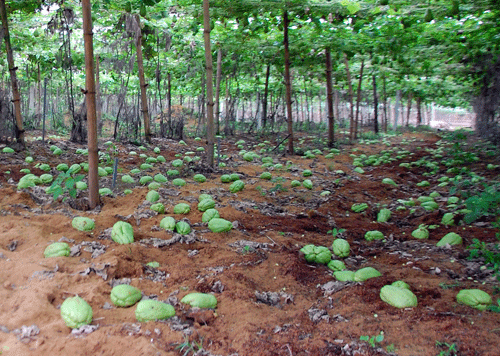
(187,347)
(247,249)
(491,256)
(450,286)
(390,348)
(336,232)
(451,350)
(65,183)
(261,191)
(374,341)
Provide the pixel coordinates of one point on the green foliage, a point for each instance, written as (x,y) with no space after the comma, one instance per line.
(451,349)
(336,231)
(374,341)
(491,255)
(187,347)
(65,183)
(486,204)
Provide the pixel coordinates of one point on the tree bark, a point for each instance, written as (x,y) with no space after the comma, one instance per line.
(266,94)
(16,97)
(210,83)
(217,90)
(375,105)
(288,83)
(351,99)
(408,108)
(358,100)
(329,96)
(98,100)
(91,107)
(142,81)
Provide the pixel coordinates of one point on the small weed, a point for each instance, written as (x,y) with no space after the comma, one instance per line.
(375,340)
(449,286)
(451,349)
(390,348)
(247,249)
(65,183)
(336,232)
(491,256)
(187,347)
(261,191)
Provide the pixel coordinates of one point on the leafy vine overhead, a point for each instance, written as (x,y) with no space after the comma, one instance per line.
(435,51)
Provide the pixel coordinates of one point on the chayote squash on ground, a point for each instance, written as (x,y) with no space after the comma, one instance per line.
(179,182)
(206,204)
(8,150)
(374,235)
(200,178)
(124,295)
(219,225)
(200,300)
(168,223)
(400,284)
(76,312)
(105,191)
(359,208)
(126,178)
(172,172)
(474,298)
(204,196)
(62,167)
(154,186)
(448,219)
(295,183)
(182,208)
(420,233)
(74,168)
(236,186)
(363,274)
(145,180)
(150,310)
(158,207)
(182,228)
(341,248)
(160,178)
(83,223)
(336,265)
(152,196)
(389,181)
(318,254)
(306,173)
(57,249)
(451,239)
(209,214)
(122,233)
(398,297)
(46,178)
(307,183)
(266,176)
(225,178)
(344,276)
(383,215)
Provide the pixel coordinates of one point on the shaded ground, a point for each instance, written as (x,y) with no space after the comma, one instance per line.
(270,301)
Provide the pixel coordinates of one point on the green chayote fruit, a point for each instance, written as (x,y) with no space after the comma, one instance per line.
(150,310)
(44,167)
(420,233)
(154,186)
(182,208)
(359,208)
(448,219)
(101,172)
(306,173)
(236,186)
(344,276)
(200,300)
(323,255)
(341,248)
(145,180)
(182,228)
(153,196)
(105,191)
(126,178)
(200,178)
(158,207)
(474,298)
(153,264)
(451,239)
(204,196)
(398,297)
(209,214)
(219,225)
(206,204)
(366,273)
(122,233)
(430,205)
(160,178)
(383,215)
(124,295)
(168,223)
(179,182)
(308,251)
(177,163)
(76,312)
(389,181)
(225,178)
(75,168)
(400,284)
(172,172)
(46,178)
(336,265)
(307,183)
(266,175)
(374,235)
(62,167)
(295,183)
(57,249)
(145,166)
(83,223)
(7,150)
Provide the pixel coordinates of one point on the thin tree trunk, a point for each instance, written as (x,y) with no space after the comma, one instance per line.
(217,90)
(408,108)
(169,101)
(396,109)
(210,83)
(351,98)
(419,111)
(358,100)
(329,96)
(266,93)
(16,97)
(98,103)
(375,105)
(227,129)
(91,107)
(142,81)
(385,102)
(288,83)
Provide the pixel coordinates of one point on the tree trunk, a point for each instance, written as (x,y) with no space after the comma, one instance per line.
(142,81)
(227,128)
(91,107)
(385,102)
(375,105)
(351,99)
(419,111)
(266,93)
(98,100)
(288,84)
(408,108)
(396,109)
(217,90)
(16,97)
(169,101)
(358,100)
(210,83)
(329,98)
